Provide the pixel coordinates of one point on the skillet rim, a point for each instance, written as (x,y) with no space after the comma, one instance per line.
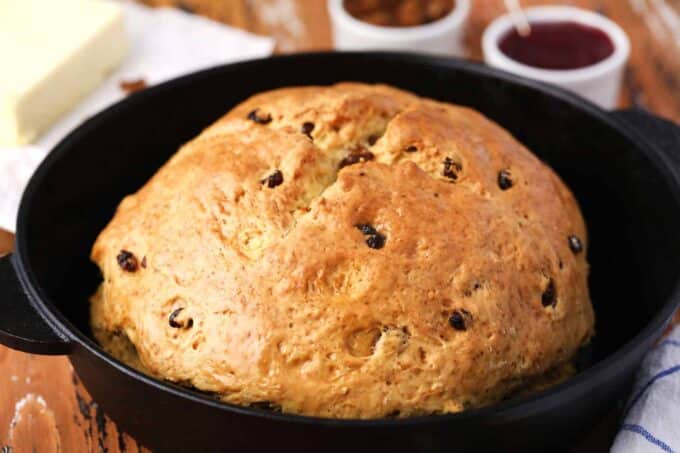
(575,387)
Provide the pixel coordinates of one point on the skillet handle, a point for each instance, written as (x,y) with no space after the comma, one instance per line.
(21,325)
(662,133)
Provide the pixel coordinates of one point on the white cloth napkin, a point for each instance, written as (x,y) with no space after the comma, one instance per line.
(651,420)
(164,43)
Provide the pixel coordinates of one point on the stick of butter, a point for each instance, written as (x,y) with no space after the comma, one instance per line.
(53,54)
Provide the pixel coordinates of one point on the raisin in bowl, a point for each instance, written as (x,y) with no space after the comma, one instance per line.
(399,25)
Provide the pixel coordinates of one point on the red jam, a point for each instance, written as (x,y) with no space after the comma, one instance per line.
(558,45)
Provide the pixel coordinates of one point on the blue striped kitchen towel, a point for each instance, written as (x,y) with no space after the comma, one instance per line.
(651,420)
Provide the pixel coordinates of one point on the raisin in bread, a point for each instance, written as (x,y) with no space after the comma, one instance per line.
(347,251)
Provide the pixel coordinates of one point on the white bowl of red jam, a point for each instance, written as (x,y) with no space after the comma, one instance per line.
(432,26)
(576,49)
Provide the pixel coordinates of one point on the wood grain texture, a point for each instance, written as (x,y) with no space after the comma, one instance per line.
(6,242)
(43,406)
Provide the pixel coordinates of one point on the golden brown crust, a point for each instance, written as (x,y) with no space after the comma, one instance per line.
(474,290)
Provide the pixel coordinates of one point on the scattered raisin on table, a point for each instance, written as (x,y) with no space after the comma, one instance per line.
(259,119)
(575,244)
(186,8)
(411,149)
(549,296)
(127,261)
(504,180)
(451,169)
(132,86)
(273,180)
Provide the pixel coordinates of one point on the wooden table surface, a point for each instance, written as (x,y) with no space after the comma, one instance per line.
(43,408)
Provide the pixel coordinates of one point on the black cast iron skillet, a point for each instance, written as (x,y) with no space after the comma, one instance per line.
(624,168)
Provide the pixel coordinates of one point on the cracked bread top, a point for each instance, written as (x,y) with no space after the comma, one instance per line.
(349,251)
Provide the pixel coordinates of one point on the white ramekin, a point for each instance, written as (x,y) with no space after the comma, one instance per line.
(600,83)
(443,36)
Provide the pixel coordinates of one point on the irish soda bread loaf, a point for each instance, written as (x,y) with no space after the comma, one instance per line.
(347,251)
